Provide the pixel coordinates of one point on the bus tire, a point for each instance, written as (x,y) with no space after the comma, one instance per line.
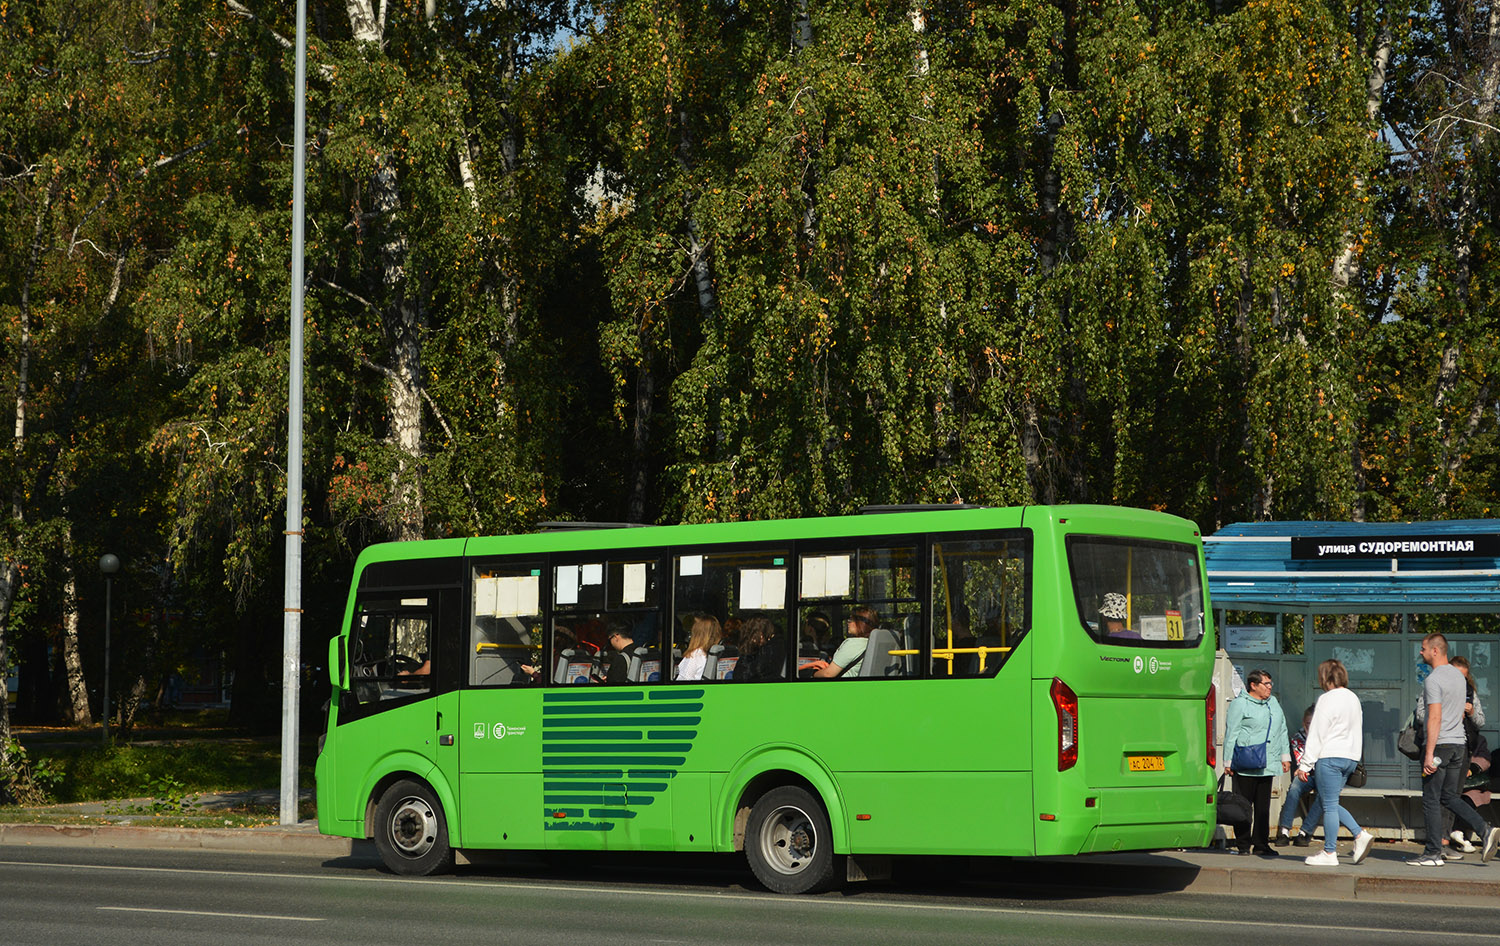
(789,843)
(411,832)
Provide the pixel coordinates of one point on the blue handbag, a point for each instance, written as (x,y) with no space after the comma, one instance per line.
(1247,758)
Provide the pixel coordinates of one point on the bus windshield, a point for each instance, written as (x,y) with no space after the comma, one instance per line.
(1131,592)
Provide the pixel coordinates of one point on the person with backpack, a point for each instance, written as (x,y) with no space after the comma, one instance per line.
(1255,745)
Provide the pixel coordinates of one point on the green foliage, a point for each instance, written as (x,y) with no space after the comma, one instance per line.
(27,781)
(169,773)
(167,796)
(718,261)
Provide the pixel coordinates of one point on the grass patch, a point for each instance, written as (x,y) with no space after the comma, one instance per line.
(165,767)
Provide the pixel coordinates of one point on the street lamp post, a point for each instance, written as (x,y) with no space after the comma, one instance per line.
(108,565)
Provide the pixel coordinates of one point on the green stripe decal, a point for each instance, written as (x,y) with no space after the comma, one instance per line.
(611,747)
(548,761)
(593,696)
(550,724)
(609,754)
(602,708)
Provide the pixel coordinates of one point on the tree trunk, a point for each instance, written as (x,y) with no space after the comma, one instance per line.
(702,272)
(645,397)
(1346,266)
(403,317)
(76,706)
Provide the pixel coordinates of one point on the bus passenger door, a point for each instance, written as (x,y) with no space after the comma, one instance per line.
(493,759)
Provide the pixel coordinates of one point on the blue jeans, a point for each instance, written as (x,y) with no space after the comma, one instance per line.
(1294,793)
(1441,790)
(1331,774)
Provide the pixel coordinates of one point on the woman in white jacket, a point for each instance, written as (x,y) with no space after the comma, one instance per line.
(1335,743)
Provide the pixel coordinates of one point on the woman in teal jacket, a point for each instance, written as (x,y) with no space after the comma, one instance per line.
(1255,719)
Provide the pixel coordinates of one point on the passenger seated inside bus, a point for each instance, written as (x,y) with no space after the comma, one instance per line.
(621,645)
(1113,615)
(816,632)
(846,660)
(705,633)
(762,652)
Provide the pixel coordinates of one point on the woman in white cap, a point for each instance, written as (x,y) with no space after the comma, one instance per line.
(1114,614)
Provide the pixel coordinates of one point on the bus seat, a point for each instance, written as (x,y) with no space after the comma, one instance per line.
(574,665)
(878,660)
(717,653)
(911,639)
(636,664)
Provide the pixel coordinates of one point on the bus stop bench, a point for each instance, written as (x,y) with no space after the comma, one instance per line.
(1390,795)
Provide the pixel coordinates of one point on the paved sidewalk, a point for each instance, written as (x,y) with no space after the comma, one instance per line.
(1384,876)
(126,823)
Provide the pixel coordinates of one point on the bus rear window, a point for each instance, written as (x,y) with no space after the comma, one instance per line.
(1137,593)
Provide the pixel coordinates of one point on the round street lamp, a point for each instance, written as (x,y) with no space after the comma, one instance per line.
(108,565)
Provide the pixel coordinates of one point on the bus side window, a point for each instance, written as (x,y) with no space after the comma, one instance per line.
(605,622)
(729,618)
(981,605)
(390,652)
(860,613)
(505,640)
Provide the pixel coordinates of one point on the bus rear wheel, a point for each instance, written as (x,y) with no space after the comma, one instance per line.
(411,832)
(788,842)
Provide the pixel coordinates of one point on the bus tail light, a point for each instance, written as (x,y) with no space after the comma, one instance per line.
(1210,709)
(1065,702)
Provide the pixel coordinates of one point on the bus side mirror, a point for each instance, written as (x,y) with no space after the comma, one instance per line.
(337,670)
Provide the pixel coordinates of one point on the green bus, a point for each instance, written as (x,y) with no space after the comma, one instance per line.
(820,694)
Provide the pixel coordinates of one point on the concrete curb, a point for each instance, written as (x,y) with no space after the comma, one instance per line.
(249,840)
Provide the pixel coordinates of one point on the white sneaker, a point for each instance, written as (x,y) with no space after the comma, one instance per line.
(1362,845)
(1462,842)
(1323,859)
(1491,841)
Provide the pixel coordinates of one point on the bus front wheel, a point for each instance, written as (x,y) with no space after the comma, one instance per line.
(788,842)
(411,832)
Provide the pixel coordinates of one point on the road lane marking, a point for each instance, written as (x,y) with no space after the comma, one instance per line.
(809,902)
(235,916)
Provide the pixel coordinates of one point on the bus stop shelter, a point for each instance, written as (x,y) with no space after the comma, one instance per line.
(1290,574)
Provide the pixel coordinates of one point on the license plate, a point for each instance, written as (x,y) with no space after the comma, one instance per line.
(1147,763)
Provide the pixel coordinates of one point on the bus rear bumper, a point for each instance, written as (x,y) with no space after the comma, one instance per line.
(1147,837)
(1131,819)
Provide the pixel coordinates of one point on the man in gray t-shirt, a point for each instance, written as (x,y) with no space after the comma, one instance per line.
(1442,761)
(1446,686)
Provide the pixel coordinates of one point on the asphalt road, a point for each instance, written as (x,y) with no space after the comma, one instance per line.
(80,897)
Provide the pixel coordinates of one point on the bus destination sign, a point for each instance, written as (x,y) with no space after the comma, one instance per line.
(1333,548)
